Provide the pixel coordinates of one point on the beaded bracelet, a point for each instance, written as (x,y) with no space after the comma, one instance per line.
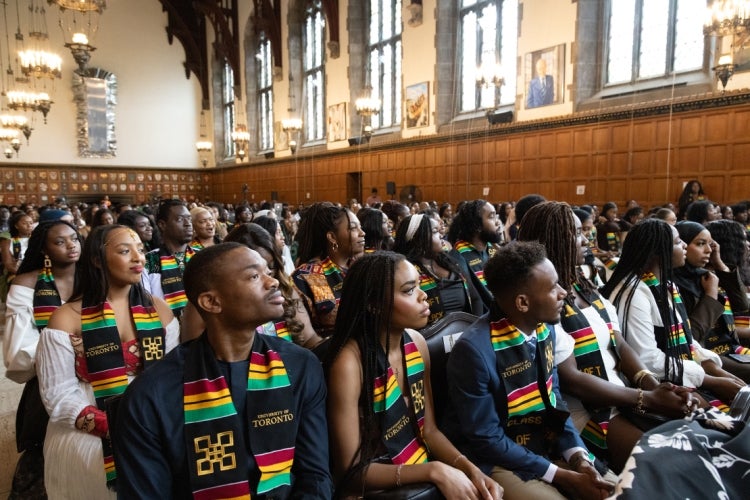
(398,475)
(639,408)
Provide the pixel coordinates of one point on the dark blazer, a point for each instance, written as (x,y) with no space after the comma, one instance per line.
(478,412)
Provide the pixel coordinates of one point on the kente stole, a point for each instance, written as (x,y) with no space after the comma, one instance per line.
(429,285)
(722,339)
(474,258)
(275,329)
(215,433)
(589,358)
(196,245)
(324,280)
(171,279)
(46,298)
(534,419)
(401,435)
(15,243)
(103,351)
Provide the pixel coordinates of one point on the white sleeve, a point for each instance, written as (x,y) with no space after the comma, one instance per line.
(62,394)
(564,344)
(21,334)
(152,283)
(172,335)
(642,317)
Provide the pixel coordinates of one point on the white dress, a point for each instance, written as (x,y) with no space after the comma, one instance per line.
(73,459)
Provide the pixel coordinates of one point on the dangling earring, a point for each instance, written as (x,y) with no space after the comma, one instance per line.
(334,247)
(47,262)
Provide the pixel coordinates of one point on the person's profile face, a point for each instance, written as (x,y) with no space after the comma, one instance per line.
(543,293)
(410,309)
(678,249)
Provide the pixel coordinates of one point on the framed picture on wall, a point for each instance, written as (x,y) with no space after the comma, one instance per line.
(337,122)
(281,139)
(544,76)
(417,104)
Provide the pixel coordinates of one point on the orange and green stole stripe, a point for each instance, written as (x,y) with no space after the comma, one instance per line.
(527,376)
(401,425)
(722,339)
(589,358)
(473,258)
(46,298)
(215,435)
(275,329)
(103,351)
(171,279)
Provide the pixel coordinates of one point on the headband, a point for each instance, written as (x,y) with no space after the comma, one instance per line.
(414,223)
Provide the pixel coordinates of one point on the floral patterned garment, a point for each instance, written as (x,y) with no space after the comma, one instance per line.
(706,455)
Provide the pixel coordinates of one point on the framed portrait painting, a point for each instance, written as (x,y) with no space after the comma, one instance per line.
(337,122)
(544,76)
(417,104)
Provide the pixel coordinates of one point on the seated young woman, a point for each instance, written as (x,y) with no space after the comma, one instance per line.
(380,415)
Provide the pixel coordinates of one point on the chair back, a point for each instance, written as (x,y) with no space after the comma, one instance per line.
(740,408)
(440,337)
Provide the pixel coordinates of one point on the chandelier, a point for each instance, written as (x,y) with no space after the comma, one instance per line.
(203,145)
(17,122)
(79,22)
(292,127)
(40,64)
(10,136)
(241,139)
(19,100)
(366,106)
(727,17)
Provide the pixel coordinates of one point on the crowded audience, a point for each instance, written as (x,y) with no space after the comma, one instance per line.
(590,330)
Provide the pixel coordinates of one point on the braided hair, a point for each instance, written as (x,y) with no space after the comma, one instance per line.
(317,220)
(364,313)
(467,223)
(256,237)
(551,223)
(649,243)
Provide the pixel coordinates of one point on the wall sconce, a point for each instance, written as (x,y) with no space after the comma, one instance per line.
(8,153)
(724,70)
(292,127)
(16,145)
(367,106)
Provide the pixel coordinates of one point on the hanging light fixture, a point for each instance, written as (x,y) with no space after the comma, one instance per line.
(292,127)
(36,61)
(240,135)
(10,136)
(203,145)
(79,22)
(366,106)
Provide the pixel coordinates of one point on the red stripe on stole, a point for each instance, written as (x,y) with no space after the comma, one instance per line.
(407,454)
(275,457)
(235,490)
(204,385)
(105,374)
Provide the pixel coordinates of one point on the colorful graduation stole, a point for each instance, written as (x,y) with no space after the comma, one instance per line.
(677,335)
(534,418)
(15,243)
(613,242)
(722,338)
(196,245)
(171,279)
(46,298)
(401,426)
(103,351)
(321,284)
(275,329)
(589,359)
(474,258)
(215,434)
(428,284)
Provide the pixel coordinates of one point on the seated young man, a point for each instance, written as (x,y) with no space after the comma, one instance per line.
(507,414)
(231,413)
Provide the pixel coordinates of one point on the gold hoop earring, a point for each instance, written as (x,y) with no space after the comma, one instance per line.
(47,262)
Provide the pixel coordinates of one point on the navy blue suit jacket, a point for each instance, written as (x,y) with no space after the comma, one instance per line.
(539,97)
(478,412)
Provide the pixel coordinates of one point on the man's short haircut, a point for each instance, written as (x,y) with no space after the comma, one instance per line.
(511,267)
(204,268)
(165,208)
